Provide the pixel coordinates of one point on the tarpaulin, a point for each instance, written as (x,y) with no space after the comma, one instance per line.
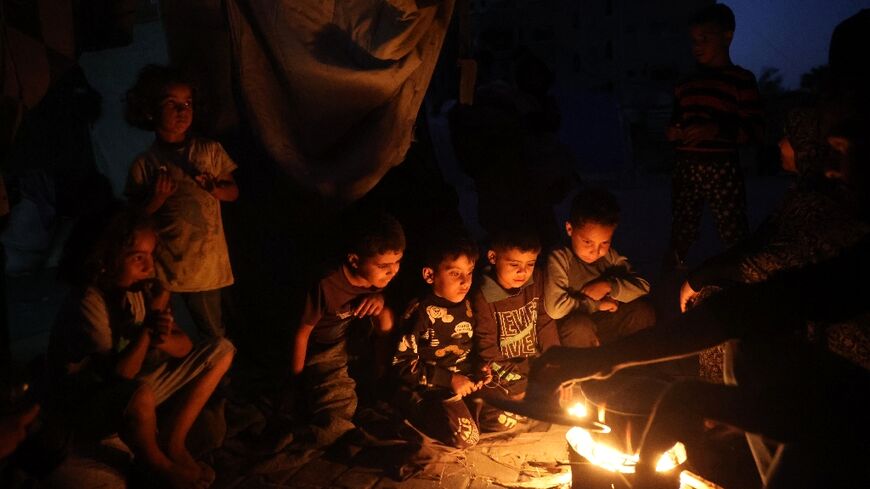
(332,88)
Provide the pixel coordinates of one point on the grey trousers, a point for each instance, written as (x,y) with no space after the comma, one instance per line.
(580,329)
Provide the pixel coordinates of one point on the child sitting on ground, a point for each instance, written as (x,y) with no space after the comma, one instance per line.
(350,291)
(433,359)
(591,289)
(115,354)
(512,325)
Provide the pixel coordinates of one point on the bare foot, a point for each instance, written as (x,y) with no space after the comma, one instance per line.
(206,474)
(181,476)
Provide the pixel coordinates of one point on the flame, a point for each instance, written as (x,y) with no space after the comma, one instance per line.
(689,480)
(614,460)
(579,410)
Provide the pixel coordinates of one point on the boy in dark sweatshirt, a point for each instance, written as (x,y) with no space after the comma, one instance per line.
(512,325)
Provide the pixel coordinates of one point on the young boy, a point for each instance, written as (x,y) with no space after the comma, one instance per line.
(433,359)
(512,325)
(716,108)
(591,290)
(351,291)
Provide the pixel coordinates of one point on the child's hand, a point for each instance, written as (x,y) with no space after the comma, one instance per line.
(608,304)
(697,133)
(486,375)
(687,293)
(164,186)
(370,305)
(206,181)
(462,385)
(674,133)
(596,289)
(161,327)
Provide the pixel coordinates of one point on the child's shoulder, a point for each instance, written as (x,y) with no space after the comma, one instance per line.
(560,254)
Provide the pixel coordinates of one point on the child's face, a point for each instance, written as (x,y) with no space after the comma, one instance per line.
(591,240)
(709,43)
(452,279)
(377,270)
(513,266)
(176,113)
(137,263)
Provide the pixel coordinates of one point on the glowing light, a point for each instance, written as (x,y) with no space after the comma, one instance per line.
(578,410)
(614,460)
(689,480)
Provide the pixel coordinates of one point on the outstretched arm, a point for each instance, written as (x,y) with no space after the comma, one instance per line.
(782,303)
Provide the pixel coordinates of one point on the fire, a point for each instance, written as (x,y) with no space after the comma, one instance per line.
(610,458)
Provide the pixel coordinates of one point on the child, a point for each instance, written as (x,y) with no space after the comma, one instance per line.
(512,325)
(716,109)
(591,290)
(433,359)
(352,290)
(181,181)
(116,353)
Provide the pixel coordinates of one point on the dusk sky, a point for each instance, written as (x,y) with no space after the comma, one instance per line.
(791,35)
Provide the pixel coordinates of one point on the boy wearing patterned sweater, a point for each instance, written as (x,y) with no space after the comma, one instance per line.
(433,358)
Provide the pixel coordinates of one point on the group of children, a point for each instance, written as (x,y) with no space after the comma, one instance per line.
(117,353)
(472,335)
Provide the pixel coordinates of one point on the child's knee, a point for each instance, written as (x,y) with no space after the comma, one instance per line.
(641,316)
(466,435)
(224,353)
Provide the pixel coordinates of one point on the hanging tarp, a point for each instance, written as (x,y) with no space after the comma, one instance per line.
(332,88)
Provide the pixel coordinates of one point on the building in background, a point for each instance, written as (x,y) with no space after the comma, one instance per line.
(615,63)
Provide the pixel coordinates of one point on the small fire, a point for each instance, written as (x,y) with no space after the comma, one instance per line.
(610,458)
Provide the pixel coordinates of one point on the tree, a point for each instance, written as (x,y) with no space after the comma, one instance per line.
(813,80)
(770,82)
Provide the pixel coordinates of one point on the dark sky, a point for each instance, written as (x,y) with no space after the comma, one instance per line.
(791,35)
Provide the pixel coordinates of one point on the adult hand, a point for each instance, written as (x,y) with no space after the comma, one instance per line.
(370,305)
(687,293)
(608,305)
(596,289)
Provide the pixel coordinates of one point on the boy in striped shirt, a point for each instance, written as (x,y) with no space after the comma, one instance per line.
(716,109)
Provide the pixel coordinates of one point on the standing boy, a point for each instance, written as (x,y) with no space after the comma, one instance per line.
(512,325)
(352,290)
(591,290)
(716,109)
(433,359)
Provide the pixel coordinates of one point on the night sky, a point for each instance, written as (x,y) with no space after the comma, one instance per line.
(791,35)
